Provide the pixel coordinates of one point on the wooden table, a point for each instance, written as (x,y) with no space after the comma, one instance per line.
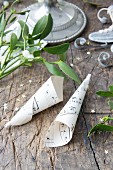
(22,148)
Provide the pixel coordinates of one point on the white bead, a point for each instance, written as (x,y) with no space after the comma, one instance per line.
(5,4)
(25,53)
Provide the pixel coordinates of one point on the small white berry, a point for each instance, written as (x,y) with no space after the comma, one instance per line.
(92,111)
(23,96)
(30,81)
(25,53)
(71,64)
(5,4)
(101,120)
(5,106)
(21,85)
(88,53)
(106,151)
(78,58)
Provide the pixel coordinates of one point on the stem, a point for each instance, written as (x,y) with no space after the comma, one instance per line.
(23,32)
(5,59)
(5,51)
(107,119)
(24,43)
(13,69)
(10,65)
(32,45)
(16,56)
(13,3)
(2,34)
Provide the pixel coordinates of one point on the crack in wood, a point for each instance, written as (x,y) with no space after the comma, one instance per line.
(94,154)
(14,152)
(12,98)
(52,157)
(82,110)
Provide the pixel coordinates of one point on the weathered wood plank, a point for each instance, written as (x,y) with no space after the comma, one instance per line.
(22,148)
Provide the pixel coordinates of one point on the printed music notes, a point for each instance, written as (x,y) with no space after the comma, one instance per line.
(62,128)
(49,94)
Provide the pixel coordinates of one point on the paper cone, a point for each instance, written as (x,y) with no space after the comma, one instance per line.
(48,95)
(61,130)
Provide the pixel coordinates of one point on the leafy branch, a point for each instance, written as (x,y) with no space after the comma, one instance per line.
(102,126)
(22,47)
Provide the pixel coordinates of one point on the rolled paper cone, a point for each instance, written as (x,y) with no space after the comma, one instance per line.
(49,94)
(62,128)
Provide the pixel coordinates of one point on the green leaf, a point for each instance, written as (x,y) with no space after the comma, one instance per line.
(3,61)
(106,118)
(111,88)
(32,49)
(101,127)
(25,29)
(43,27)
(59,49)
(110,103)
(68,71)
(20,44)
(2,22)
(52,69)
(27,64)
(104,93)
(13,41)
(12,20)
(36,53)
(30,40)
(23,12)
(63,56)
(48,27)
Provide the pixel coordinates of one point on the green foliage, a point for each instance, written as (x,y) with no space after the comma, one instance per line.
(53,69)
(102,126)
(105,93)
(13,41)
(23,50)
(13,19)
(25,29)
(68,71)
(59,49)
(22,12)
(43,27)
(111,89)
(108,94)
(2,22)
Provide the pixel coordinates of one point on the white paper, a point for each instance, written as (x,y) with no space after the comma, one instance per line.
(49,94)
(62,128)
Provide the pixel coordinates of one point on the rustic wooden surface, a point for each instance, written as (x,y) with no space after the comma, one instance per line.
(21,148)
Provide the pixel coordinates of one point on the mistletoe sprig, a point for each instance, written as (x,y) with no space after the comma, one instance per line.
(102,126)
(23,47)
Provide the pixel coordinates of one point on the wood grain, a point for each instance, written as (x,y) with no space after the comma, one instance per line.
(22,148)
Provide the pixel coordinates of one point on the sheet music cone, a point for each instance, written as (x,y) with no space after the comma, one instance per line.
(48,95)
(62,128)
